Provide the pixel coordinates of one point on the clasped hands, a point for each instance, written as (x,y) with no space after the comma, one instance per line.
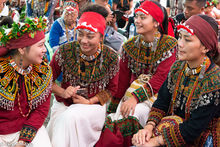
(143,138)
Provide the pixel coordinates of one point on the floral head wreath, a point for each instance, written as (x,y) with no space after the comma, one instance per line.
(30,25)
(209,3)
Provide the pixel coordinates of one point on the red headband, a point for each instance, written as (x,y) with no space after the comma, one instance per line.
(92,21)
(203,30)
(149,7)
(24,41)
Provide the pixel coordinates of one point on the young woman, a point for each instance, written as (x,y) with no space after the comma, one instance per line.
(150,53)
(90,77)
(186,111)
(25,85)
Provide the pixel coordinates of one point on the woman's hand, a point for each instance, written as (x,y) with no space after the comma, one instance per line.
(77,99)
(128,106)
(70,92)
(153,142)
(143,135)
(20,143)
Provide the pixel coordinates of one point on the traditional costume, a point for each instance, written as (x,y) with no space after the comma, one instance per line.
(80,124)
(24,94)
(187,108)
(138,57)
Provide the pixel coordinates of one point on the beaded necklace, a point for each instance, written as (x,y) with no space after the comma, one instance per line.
(20,70)
(204,67)
(19,103)
(67,33)
(23,72)
(92,57)
(91,73)
(154,45)
(189,72)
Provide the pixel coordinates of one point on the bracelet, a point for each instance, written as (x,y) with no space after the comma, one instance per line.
(158,141)
(150,123)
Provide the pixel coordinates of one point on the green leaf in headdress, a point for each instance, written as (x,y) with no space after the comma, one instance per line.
(32,34)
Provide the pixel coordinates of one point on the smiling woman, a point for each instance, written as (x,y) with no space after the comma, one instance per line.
(149,54)
(90,78)
(25,85)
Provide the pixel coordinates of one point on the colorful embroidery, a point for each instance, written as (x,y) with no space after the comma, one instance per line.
(41,75)
(156,115)
(113,105)
(143,94)
(213,130)
(164,50)
(172,136)
(206,92)
(105,69)
(167,121)
(128,126)
(27,133)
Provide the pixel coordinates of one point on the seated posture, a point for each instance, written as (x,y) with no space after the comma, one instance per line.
(148,55)
(62,30)
(90,78)
(186,112)
(25,85)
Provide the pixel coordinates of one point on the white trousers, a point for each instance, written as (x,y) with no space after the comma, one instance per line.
(78,125)
(141,112)
(40,140)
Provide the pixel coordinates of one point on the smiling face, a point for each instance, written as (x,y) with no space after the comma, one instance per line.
(144,23)
(190,47)
(35,54)
(89,41)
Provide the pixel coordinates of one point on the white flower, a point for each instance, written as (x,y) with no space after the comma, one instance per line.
(21,24)
(7,31)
